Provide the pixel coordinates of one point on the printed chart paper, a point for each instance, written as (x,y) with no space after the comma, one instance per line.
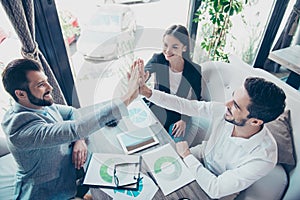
(147,189)
(167,168)
(139,115)
(101,170)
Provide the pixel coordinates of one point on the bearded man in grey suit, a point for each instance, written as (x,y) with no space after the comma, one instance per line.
(39,132)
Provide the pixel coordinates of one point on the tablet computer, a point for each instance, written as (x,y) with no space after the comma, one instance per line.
(137,140)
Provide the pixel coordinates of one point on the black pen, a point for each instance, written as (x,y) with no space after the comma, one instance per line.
(153,179)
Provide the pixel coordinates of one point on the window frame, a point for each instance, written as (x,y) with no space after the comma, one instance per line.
(51,43)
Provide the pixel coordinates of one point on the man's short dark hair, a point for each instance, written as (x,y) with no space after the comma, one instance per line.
(14,76)
(267,99)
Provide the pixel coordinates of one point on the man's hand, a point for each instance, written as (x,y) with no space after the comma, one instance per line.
(144,76)
(179,128)
(182,149)
(134,79)
(79,154)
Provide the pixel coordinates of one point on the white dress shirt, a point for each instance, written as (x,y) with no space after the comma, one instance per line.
(230,164)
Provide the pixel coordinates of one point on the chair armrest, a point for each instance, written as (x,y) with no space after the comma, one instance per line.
(270,187)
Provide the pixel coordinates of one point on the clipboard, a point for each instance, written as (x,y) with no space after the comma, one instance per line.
(116,171)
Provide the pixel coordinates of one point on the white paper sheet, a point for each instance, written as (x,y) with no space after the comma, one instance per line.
(167,168)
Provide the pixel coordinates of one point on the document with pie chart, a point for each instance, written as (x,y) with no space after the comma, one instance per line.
(113,171)
(139,115)
(167,168)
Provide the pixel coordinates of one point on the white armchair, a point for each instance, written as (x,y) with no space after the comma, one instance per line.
(219,81)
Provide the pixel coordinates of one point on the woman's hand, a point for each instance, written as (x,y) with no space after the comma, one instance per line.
(79,154)
(179,128)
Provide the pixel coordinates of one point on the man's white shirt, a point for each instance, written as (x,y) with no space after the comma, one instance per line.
(230,164)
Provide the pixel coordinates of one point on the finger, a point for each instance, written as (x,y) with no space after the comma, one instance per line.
(183,133)
(82,160)
(133,65)
(74,157)
(79,159)
(178,133)
(141,63)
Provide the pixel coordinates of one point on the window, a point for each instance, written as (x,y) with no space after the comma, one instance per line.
(102,53)
(246,33)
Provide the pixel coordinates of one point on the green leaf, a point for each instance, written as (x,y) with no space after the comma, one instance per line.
(231,11)
(216,5)
(226,8)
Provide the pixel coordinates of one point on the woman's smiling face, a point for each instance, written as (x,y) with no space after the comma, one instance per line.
(172,47)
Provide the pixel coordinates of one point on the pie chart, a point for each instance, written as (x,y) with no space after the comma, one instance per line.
(107,169)
(139,117)
(133,193)
(167,167)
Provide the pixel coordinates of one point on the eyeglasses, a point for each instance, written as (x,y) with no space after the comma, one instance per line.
(123,169)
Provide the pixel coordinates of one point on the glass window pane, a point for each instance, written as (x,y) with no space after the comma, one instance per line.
(111,36)
(246,33)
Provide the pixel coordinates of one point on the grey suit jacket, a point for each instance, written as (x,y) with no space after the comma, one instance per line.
(40,143)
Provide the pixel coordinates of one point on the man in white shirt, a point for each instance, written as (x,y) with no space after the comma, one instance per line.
(240,149)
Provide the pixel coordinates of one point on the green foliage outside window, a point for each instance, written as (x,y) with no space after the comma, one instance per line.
(217,17)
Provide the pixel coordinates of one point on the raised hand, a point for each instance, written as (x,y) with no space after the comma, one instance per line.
(144,76)
(134,81)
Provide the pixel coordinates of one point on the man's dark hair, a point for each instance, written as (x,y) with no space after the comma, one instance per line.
(14,76)
(267,99)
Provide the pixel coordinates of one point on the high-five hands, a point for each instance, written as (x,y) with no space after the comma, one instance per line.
(134,79)
(136,82)
(139,63)
(144,76)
